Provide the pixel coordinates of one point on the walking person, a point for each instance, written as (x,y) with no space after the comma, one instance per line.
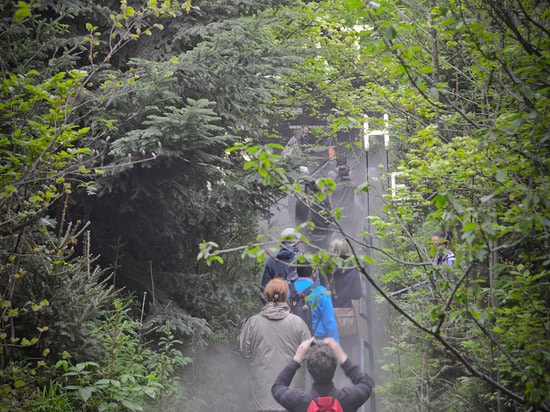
(322,359)
(345,285)
(309,209)
(269,340)
(280,265)
(323,322)
(343,197)
(443,256)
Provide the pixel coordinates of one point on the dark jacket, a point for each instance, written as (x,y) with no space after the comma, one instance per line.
(279,267)
(297,400)
(345,285)
(351,205)
(320,234)
(343,196)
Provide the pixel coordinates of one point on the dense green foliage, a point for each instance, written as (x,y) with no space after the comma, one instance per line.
(476,160)
(81,118)
(466,87)
(132,134)
(64,347)
(115,121)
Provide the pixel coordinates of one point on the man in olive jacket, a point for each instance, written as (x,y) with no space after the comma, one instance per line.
(322,360)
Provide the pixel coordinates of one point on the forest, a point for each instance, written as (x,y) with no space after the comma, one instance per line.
(141,156)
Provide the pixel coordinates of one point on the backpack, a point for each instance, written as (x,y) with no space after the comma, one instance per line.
(298,304)
(325,404)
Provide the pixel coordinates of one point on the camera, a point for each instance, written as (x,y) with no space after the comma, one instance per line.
(317,341)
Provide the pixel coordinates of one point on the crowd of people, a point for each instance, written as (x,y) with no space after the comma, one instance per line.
(277,341)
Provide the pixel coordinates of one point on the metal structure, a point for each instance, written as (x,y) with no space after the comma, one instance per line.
(371,165)
(366,339)
(375,144)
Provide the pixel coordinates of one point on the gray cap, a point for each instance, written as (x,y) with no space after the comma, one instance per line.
(290,235)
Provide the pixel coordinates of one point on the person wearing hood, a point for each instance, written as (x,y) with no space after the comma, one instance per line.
(269,341)
(280,266)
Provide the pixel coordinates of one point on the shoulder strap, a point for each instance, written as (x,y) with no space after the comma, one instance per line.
(293,295)
(308,290)
(291,286)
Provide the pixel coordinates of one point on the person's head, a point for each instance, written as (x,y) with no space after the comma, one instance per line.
(340,248)
(310,187)
(304,271)
(289,237)
(304,170)
(276,290)
(440,237)
(343,171)
(321,363)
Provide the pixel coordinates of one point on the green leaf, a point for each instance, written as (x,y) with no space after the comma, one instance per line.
(86,392)
(389,33)
(434,94)
(367,259)
(500,175)
(23,11)
(470,226)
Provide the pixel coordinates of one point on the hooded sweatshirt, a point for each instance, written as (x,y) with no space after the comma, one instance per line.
(270,340)
(279,267)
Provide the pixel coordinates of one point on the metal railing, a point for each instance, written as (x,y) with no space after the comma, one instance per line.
(366,349)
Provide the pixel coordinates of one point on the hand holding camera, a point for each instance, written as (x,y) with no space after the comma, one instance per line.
(302,350)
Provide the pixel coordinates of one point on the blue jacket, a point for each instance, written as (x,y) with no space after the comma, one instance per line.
(279,267)
(323,320)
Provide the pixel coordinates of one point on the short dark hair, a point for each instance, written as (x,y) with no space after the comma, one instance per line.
(443,234)
(304,271)
(321,363)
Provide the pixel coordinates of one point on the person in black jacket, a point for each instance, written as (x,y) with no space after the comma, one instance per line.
(309,209)
(322,359)
(280,266)
(345,285)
